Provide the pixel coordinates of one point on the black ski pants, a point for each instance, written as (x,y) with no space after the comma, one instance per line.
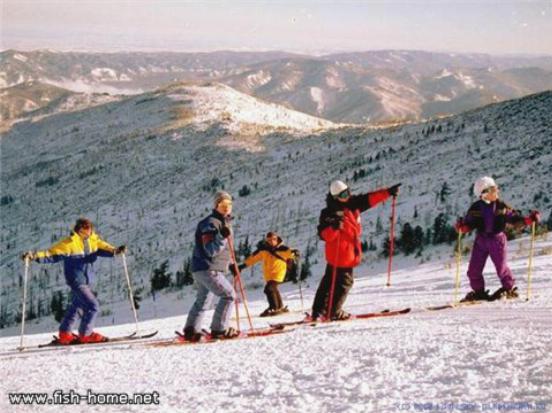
(343,283)
(273,295)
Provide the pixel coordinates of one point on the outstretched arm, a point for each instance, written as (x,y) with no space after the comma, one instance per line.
(369,200)
(105,249)
(253,259)
(55,253)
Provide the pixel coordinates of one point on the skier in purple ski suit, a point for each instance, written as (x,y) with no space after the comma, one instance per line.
(489,216)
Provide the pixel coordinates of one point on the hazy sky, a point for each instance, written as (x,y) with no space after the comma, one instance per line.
(300,26)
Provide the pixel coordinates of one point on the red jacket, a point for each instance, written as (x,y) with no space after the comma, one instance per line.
(343,247)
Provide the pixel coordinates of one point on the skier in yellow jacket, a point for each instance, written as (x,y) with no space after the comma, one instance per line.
(274,255)
(78,252)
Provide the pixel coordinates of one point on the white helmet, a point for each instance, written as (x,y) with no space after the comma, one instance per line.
(337,187)
(482,184)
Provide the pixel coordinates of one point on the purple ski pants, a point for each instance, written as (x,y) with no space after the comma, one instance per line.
(483,247)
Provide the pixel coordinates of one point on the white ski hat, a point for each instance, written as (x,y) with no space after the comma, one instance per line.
(338,187)
(482,184)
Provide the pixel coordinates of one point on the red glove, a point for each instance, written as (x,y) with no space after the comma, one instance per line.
(534,216)
(461,227)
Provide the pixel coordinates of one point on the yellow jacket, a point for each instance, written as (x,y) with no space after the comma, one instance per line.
(76,259)
(274,269)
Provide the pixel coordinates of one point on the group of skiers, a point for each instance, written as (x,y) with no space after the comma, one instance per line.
(339,227)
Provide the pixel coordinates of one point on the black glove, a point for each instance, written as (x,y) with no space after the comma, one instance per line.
(120,250)
(242,267)
(336,222)
(233,270)
(394,190)
(297,253)
(28,255)
(225,232)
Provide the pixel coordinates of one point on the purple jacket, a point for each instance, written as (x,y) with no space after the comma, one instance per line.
(491,218)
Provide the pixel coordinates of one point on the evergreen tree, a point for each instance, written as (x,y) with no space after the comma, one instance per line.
(387,246)
(56,305)
(305,267)
(444,192)
(244,191)
(419,237)
(184,277)
(161,278)
(379,226)
(407,242)
(439,229)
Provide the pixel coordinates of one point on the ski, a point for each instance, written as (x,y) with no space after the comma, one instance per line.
(307,321)
(130,337)
(466,303)
(180,341)
(52,346)
(455,305)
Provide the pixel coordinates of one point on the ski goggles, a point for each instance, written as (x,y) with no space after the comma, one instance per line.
(344,195)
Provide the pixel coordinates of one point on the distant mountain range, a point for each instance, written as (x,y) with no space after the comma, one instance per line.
(366,87)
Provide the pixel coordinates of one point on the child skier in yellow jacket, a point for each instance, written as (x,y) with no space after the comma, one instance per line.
(274,255)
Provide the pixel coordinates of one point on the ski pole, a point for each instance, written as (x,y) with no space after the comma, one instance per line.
(237,305)
(24,304)
(530,265)
(131,296)
(334,276)
(300,288)
(391,241)
(458,259)
(237,279)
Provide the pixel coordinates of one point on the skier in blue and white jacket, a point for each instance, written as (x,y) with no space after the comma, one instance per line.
(210,262)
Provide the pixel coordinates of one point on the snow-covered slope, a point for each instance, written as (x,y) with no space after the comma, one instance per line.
(217,103)
(490,357)
(145,173)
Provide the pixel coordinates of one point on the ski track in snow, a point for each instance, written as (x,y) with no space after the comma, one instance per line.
(488,353)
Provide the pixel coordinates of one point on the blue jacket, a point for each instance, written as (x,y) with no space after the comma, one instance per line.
(78,263)
(211,251)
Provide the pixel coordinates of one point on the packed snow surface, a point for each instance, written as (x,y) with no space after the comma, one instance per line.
(488,357)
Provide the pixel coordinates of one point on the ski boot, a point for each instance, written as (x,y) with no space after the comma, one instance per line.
(92,338)
(282,310)
(480,295)
(269,312)
(341,315)
(66,337)
(504,293)
(229,333)
(191,335)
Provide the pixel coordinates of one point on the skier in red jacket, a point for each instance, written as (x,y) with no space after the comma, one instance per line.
(339,226)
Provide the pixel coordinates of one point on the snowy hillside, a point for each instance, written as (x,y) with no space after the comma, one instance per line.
(34,100)
(490,357)
(217,103)
(145,173)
